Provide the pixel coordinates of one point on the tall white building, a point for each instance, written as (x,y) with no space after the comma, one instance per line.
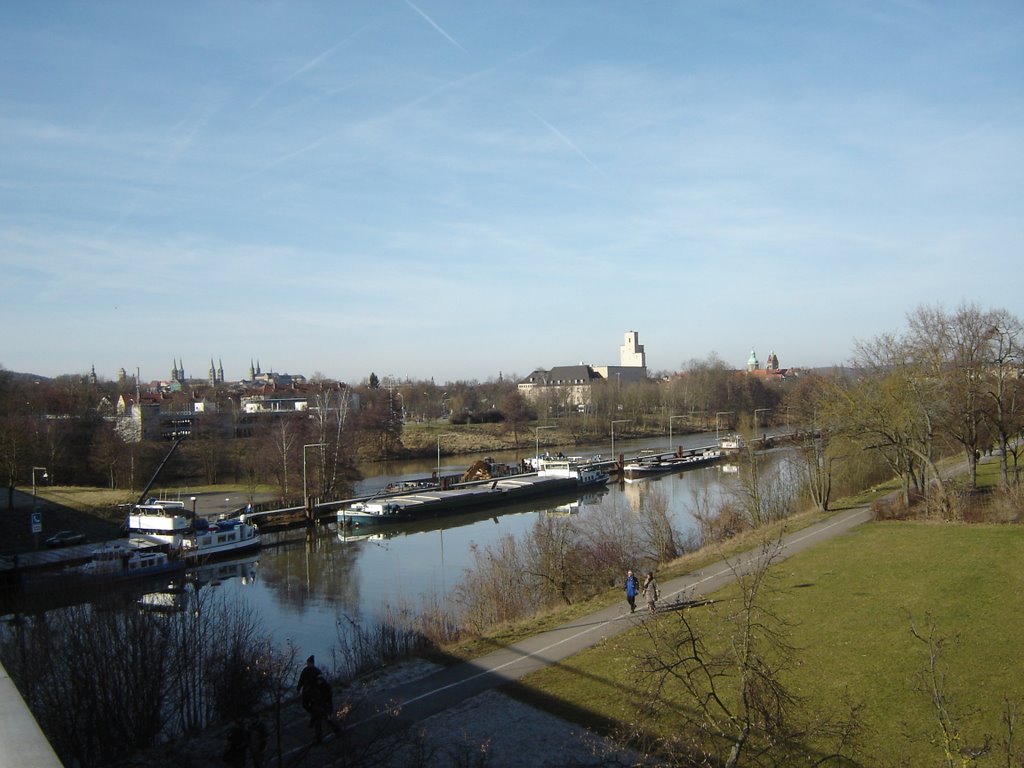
(574,381)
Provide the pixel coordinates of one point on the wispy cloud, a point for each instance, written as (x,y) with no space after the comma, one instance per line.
(436,26)
(567,141)
(311,64)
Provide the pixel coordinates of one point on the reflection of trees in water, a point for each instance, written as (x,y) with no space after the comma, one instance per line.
(311,568)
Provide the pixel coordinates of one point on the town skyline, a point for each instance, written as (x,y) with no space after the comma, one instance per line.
(202,373)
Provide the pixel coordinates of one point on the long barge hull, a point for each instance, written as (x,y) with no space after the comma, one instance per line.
(642,470)
(417,506)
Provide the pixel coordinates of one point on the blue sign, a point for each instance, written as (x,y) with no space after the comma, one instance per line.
(37,522)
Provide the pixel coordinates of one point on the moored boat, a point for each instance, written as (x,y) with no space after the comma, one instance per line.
(189,538)
(117,561)
(558,476)
(657,465)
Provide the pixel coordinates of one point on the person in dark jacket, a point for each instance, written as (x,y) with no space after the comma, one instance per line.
(632,588)
(307,686)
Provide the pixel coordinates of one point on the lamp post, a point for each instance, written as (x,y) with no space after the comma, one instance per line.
(683,416)
(437,472)
(757,411)
(37,519)
(305,492)
(536,434)
(193,500)
(614,422)
(718,416)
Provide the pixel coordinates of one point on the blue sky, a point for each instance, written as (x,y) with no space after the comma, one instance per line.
(456,190)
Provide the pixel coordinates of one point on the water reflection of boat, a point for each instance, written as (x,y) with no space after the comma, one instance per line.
(215,572)
(170,600)
(569,508)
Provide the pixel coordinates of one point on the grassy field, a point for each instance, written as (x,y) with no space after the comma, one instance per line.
(850,603)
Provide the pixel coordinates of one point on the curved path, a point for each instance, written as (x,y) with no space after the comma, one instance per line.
(419,699)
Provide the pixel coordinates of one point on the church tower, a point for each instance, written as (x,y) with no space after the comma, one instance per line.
(752,362)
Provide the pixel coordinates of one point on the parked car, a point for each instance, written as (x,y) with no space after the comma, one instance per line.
(65,539)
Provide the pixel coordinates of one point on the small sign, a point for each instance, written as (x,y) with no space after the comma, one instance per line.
(37,522)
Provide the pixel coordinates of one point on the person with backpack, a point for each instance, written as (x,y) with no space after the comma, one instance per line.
(632,588)
(651,592)
(323,708)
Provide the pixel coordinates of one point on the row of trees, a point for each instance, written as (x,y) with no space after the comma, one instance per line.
(68,425)
(951,382)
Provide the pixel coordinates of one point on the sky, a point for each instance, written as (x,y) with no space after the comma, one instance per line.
(462,190)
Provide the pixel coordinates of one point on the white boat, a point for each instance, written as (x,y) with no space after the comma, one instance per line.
(730,442)
(168,524)
(586,475)
(117,561)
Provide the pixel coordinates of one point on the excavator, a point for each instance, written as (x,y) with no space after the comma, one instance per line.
(479,470)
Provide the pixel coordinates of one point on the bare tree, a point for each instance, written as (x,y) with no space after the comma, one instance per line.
(719,668)
(1003,406)
(552,562)
(951,716)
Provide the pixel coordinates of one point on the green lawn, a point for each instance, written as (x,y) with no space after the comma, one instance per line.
(850,601)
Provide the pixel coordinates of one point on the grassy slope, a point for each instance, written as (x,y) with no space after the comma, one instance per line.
(849,601)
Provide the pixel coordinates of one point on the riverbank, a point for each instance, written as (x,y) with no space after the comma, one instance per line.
(424,439)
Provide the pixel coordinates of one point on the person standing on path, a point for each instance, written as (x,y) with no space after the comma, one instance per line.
(651,592)
(307,688)
(632,587)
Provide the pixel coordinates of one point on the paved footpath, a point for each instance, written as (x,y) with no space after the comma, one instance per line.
(419,699)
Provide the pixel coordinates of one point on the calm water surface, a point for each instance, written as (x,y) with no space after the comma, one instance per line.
(305,586)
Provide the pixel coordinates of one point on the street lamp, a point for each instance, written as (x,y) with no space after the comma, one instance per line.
(718,416)
(305,493)
(682,416)
(37,520)
(616,421)
(757,411)
(438,471)
(193,499)
(536,434)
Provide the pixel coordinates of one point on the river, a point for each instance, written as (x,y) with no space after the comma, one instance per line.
(308,586)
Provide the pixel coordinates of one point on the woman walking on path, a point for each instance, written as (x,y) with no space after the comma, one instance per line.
(651,592)
(632,587)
